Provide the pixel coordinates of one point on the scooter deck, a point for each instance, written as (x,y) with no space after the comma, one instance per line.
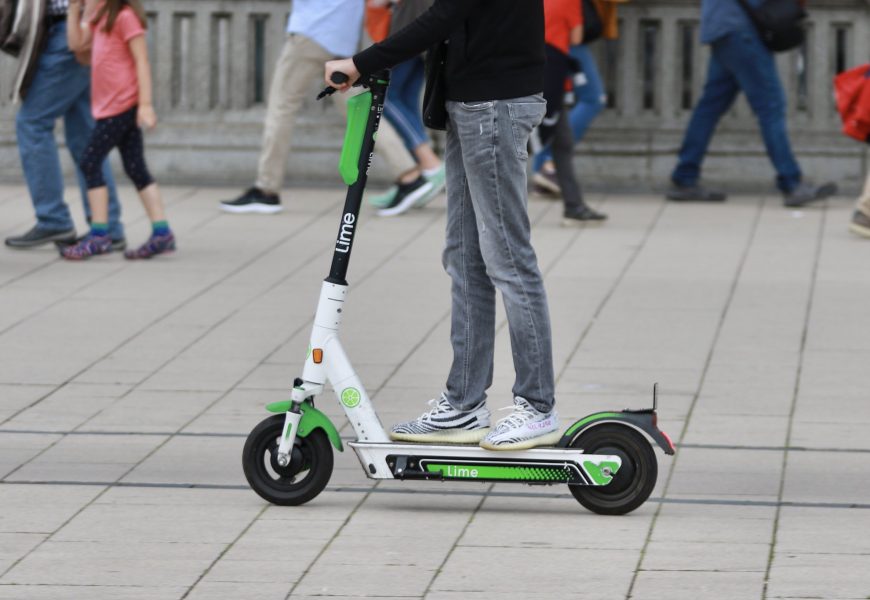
(457,462)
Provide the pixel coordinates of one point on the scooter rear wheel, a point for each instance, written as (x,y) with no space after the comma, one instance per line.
(303,479)
(636,478)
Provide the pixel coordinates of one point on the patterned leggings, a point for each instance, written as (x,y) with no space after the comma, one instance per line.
(123,132)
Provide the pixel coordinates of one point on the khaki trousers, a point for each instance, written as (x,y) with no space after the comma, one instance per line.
(299,68)
(863,204)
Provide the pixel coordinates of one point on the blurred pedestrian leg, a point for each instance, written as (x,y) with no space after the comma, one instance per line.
(860,223)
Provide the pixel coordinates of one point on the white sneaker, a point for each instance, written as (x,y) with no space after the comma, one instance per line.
(443,423)
(526,427)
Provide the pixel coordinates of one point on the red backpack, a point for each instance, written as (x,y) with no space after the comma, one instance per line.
(852,91)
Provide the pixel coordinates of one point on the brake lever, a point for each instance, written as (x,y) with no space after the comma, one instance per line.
(336,77)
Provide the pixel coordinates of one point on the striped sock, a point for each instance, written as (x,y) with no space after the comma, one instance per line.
(99,229)
(160,227)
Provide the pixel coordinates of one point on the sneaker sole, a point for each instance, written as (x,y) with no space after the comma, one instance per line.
(448,436)
(696,199)
(545,183)
(407,202)
(252,208)
(823,193)
(56,238)
(426,199)
(117,245)
(84,258)
(164,253)
(549,439)
(859,230)
(581,222)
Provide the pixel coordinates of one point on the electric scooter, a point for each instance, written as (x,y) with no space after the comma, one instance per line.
(605,458)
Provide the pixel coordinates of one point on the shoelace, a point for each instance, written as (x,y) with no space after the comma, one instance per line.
(439,405)
(520,415)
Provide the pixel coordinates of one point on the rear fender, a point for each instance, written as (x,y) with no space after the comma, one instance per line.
(641,420)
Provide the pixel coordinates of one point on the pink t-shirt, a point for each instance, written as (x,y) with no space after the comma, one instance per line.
(114,85)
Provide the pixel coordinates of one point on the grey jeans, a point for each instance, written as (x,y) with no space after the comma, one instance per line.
(489,247)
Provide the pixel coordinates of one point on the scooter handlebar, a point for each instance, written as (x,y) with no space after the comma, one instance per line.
(337,78)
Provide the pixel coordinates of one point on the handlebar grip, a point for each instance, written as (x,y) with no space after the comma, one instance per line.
(337,78)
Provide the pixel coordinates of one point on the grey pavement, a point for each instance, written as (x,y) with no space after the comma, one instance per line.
(126,391)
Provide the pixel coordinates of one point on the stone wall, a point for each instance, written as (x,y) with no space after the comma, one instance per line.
(212,61)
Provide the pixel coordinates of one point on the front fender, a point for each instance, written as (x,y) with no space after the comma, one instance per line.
(311,419)
(644,421)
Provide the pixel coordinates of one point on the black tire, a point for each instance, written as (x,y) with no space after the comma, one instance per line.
(635,480)
(304,478)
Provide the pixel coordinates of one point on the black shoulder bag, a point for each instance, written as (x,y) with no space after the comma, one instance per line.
(780,23)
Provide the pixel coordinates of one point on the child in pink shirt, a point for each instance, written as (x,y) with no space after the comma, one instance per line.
(121,105)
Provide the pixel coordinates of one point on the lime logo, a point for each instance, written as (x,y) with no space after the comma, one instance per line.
(289,429)
(350,397)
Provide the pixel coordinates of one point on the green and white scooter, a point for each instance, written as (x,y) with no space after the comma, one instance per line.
(605,459)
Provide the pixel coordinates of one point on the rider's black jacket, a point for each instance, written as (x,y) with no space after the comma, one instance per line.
(495,49)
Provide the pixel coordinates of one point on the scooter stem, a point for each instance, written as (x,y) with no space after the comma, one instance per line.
(364,117)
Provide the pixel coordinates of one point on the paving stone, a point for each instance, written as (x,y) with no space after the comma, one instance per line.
(690,585)
(18,448)
(227,590)
(818,575)
(68,407)
(88,458)
(714,525)
(156,523)
(152,411)
(816,530)
(827,477)
(13,398)
(41,508)
(706,556)
(92,592)
(706,473)
(607,573)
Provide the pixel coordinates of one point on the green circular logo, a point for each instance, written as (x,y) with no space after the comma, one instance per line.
(350,397)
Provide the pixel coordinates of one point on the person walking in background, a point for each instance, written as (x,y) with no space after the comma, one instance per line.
(589,96)
(317,31)
(52,84)
(739,61)
(493,74)
(402,111)
(563,27)
(860,223)
(121,99)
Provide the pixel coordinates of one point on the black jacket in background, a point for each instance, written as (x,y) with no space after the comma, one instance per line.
(495,49)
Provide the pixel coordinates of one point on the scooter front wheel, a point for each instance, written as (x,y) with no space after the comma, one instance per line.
(303,479)
(636,478)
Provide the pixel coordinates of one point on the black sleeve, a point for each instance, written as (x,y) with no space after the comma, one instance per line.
(435,25)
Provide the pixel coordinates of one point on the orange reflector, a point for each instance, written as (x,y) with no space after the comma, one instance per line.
(317,355)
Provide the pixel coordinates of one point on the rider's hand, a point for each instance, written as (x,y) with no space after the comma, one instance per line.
(343,65)
(146,118)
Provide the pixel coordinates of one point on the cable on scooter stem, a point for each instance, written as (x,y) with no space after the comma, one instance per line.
(336,77)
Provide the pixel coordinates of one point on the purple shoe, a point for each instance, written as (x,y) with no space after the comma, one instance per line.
(156,244)
(90,245)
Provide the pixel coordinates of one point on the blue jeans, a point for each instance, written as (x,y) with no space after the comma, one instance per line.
(740,61)
(590,100)
(402,108)
(60,89)
(488,247)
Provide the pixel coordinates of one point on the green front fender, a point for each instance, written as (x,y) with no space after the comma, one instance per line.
(311,419)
